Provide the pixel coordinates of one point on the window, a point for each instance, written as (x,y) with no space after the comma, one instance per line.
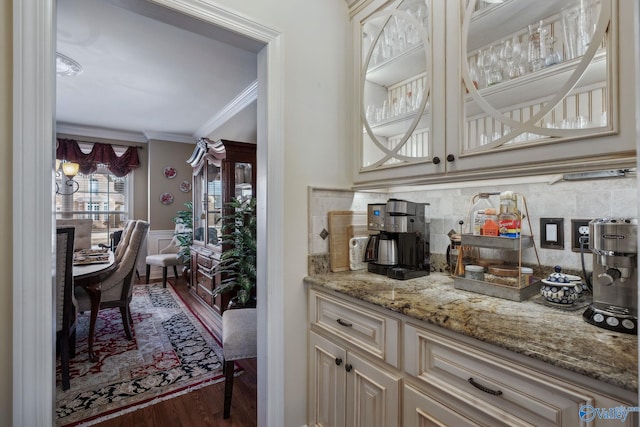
(101,196)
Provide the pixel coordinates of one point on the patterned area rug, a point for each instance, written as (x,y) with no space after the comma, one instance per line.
(171,353)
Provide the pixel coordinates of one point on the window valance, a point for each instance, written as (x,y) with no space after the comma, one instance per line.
(69,149)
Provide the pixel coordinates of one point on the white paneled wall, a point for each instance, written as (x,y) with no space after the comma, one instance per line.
(449,203)
(156,240)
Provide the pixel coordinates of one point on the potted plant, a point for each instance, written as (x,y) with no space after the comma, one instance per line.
(185,237)
(238,259)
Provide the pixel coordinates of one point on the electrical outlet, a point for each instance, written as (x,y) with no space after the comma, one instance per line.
(579,228)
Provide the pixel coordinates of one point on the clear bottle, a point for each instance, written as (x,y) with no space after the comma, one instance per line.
(478,212)
(537,48)
(509,218)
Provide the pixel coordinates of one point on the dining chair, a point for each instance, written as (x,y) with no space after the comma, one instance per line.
(83,226)
(239,341)
(66,304)
(168,256)
(117,288)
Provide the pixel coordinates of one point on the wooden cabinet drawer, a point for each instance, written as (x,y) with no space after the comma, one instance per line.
(205,294)
(504,390)
(207,263)
(365,329)
(205,280)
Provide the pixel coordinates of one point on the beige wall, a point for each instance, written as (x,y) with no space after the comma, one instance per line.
(162,154)
(6,261)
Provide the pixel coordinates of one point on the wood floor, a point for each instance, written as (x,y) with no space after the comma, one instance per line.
(203,407)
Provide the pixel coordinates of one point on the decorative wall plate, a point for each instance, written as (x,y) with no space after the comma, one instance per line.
(166,198)
(185,186)
(170,172)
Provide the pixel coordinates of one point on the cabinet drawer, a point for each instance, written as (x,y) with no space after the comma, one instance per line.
(420,409)
(205,294)
(206,262)
(504,390)
(205,280)
(369,331)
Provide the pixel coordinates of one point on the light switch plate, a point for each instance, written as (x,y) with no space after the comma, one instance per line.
(552,233)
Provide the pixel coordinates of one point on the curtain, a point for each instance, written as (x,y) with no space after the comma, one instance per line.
(68,149)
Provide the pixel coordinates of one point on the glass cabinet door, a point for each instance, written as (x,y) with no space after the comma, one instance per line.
(396,85)
(243,177)
(199,203)
(535,72)
(214,203)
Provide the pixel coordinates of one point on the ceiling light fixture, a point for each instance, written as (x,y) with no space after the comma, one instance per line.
(66,66)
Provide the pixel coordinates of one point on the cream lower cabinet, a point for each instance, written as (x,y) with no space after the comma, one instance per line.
(354,355)
(493,389)
(348,390)
(371,368)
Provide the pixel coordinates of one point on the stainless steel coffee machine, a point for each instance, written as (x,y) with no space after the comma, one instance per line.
(614,242)
(401,249)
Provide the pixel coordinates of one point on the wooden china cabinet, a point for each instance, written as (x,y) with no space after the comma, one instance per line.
(222,170)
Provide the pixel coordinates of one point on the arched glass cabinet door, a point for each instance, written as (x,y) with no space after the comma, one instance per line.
(536,72)
(396,85)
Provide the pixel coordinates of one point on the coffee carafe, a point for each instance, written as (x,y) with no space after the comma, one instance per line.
(381,251)
(613,242)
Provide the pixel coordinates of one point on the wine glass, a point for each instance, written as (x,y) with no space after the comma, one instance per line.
(495,73)
(484,63)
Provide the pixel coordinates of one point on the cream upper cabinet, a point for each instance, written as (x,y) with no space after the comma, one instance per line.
(399,127)
(476,88)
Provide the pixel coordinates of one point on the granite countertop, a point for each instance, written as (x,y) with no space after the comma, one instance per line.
(556,336)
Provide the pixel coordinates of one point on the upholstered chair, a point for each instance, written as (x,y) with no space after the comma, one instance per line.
(168,256)
(83,231)
(117,288)
(239,341)
(66,304)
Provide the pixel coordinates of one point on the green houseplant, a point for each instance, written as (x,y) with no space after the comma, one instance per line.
(185,237)
(238,260)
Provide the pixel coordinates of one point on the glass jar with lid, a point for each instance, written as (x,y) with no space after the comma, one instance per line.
(478,211)
(509,218)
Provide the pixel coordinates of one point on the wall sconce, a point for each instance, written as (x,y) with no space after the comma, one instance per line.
(70,170)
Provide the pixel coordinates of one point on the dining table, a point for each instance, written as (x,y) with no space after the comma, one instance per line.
(88,274)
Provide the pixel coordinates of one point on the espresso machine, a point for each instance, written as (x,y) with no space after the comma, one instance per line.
(401,248)
(614,243)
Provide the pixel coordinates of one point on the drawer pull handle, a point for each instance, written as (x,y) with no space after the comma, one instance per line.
(483,388)
(348,367)
(343,323)
(338,361)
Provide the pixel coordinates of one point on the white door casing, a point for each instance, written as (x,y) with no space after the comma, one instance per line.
(33,153)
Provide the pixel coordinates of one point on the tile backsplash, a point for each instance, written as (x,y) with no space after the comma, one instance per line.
(545,196)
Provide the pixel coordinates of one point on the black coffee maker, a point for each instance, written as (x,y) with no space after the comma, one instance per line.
(405,223)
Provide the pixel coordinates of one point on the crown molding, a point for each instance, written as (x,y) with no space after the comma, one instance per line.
(96,132)
(240,102)
(173,137)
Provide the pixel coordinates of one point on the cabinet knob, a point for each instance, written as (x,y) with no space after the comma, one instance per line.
(348,367)
(436,160)
(451,158)
(338,361)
